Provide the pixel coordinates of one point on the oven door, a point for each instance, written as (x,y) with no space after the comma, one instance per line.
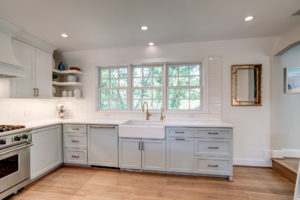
(14,166)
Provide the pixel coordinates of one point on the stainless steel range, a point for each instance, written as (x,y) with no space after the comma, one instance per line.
(14,159)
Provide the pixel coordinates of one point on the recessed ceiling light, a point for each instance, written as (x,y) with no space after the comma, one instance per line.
(144,28)
(151,44)
(64,35)
(248,18)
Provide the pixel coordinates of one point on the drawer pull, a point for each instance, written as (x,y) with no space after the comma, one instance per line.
(213,133)
(102,127)
(179,131)
(179,139)
(75,156)
(75,141)
(75,129)
(213,147)
(213,165)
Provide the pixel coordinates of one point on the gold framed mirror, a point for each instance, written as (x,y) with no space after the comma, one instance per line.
(246,85)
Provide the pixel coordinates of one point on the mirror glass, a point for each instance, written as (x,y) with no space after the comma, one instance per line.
(246,85)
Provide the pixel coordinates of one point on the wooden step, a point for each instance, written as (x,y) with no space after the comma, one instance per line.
(287,167)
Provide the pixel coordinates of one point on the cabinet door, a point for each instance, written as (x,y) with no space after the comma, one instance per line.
(46,152)
(130,155)
(43,67)
(103,146)
(154,155)
(180,154)
(23,87)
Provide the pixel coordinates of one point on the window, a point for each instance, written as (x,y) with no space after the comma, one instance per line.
(147,85)
(184,87)
(176,87)
(113,88)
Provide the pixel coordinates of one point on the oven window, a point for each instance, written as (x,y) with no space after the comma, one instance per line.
(8,166)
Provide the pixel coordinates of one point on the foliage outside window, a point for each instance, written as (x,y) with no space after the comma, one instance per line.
(113,88)
(184,87)
(147,86)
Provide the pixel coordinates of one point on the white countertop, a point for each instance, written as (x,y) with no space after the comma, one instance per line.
(45,123)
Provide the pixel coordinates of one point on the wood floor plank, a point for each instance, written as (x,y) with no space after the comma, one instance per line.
(77,183)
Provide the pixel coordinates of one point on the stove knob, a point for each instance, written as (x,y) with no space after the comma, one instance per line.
(24,136)
(2,142)
(17,138)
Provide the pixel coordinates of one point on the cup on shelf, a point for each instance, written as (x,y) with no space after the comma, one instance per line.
(77,93)
(64,93)
(70,93)
(71,78)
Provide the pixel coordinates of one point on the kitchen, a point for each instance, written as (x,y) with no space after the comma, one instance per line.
(98,103)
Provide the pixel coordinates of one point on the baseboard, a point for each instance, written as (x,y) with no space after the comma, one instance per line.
(252,162)
(290,153)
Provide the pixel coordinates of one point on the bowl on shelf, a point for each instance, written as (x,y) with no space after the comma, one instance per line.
(75,68)
(72,78)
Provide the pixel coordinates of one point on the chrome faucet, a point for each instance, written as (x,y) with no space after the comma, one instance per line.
(147,111)
(162,116)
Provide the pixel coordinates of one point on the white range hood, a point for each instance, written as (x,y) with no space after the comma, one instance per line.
(10,67)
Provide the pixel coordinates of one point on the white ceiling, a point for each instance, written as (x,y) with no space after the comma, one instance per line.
(94,24)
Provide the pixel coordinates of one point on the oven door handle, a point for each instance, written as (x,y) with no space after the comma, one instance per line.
(16,149)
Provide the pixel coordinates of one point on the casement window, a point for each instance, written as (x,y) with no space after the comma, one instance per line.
(175,87)
(184,87)
(147,86)
(113,88)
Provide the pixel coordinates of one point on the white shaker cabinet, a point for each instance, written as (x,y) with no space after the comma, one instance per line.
(46,152)
(37,78)
(130,156)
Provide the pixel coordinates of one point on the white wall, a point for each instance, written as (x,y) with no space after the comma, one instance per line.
(252,124)
(285,107)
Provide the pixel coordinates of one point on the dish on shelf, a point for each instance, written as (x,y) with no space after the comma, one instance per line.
(75,68)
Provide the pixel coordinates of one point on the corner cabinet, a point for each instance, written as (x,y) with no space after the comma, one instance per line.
(143,154)
(46,152)
(37,79)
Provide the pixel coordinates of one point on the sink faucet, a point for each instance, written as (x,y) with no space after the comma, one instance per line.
(147,111)
(162,116)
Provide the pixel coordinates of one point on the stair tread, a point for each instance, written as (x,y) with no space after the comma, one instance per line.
(290,163)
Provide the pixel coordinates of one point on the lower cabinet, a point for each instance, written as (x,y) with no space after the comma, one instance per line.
(180,155)
(46,152)
(103,145)
(143,154)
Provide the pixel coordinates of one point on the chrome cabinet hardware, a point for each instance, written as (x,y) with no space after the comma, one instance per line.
(73,156)
(102,126)
(213,133)
(213,147)
(179,139)
(213,165)
(75,141)
(36,92)
(179,131)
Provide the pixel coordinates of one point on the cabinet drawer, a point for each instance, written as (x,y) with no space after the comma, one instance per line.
(180,132)
(75,140)
(217,166)
(75,129)
(76,156)
(214,133)
(213,147)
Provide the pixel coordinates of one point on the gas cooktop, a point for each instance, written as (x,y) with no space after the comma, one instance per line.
(4,128)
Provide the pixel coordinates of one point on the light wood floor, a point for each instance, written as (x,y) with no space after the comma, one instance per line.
(76,183)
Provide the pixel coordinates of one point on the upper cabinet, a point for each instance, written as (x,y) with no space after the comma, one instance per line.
(36,82)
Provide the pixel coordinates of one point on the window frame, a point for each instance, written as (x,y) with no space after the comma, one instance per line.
(99,89)
(162,87)
(203,84)
(201,87)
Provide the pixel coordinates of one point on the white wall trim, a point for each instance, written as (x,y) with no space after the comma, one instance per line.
(252,162)
(291,153)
